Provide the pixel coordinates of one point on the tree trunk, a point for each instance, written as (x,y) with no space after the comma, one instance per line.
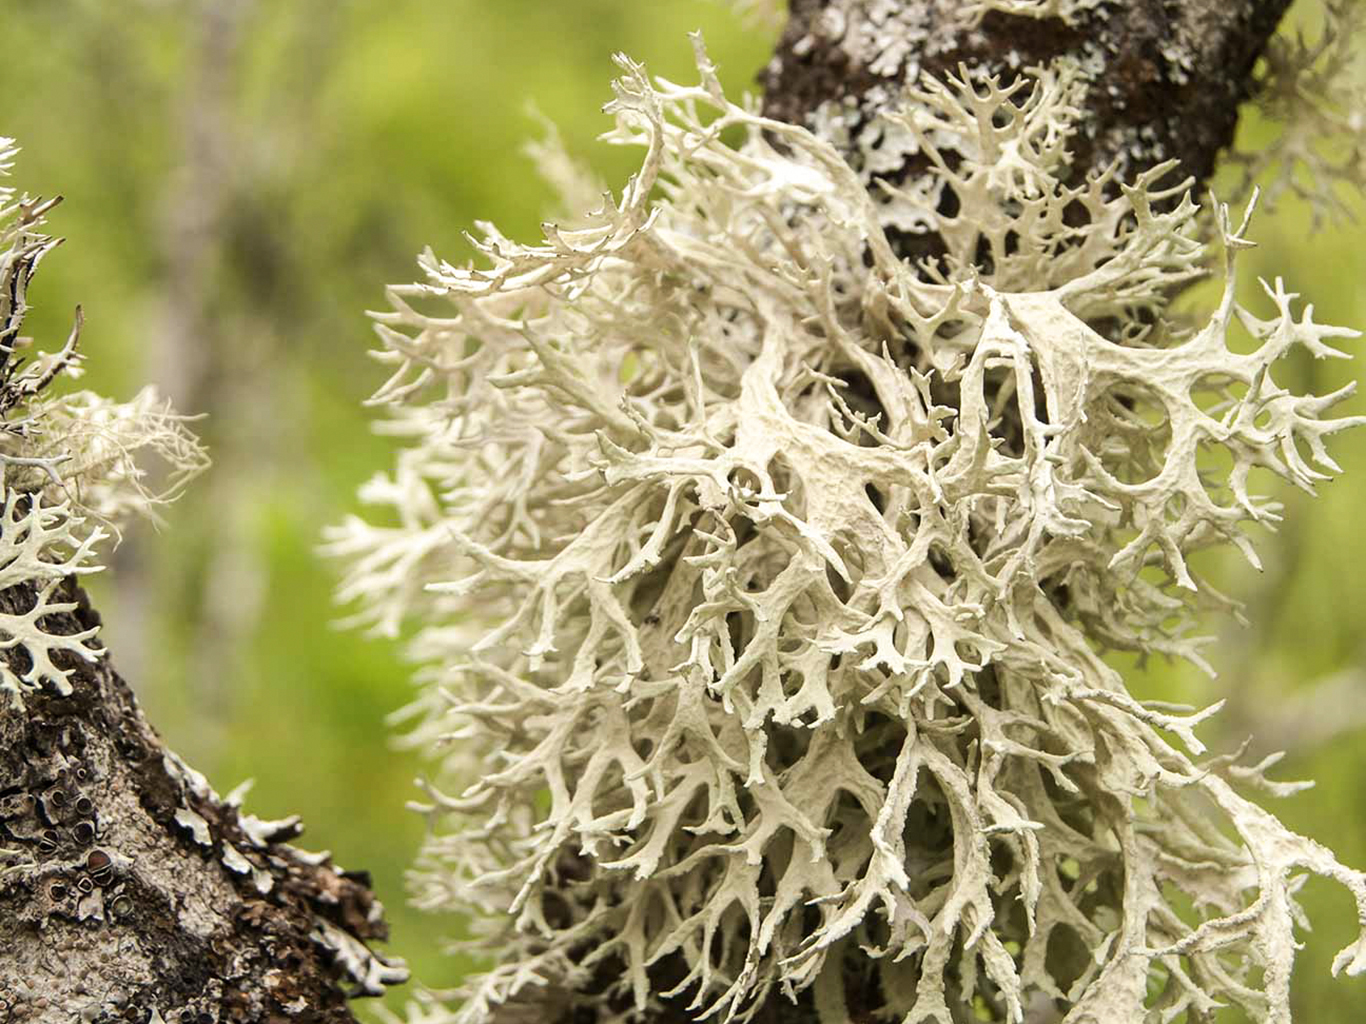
(130,891)
(1167,76)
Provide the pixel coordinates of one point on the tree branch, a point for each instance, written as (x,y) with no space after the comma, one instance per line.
(1167,76)
(130,891)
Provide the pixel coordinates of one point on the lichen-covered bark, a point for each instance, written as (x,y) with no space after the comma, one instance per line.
(130,891)
(1166,77)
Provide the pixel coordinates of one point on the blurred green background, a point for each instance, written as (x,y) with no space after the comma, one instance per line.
(242,177)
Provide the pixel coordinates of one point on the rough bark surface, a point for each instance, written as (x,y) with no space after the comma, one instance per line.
(1168,75)
(130,891)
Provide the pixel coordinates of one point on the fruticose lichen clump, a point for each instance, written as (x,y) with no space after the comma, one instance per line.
(72,466)
(763,582)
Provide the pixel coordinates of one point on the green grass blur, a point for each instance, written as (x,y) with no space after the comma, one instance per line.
(242,178)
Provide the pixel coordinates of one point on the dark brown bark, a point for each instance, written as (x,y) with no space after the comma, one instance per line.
(1167,76)
(129,889)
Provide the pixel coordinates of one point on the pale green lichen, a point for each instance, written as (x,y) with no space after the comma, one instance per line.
(763,581)
(65,460)
(1311,88)
(767,14)
(41,546)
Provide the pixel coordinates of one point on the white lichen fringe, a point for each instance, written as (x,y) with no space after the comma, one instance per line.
(1312,89)
(69,464)
(1067,10)
(763,581)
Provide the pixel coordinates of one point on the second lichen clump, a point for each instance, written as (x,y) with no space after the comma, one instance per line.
(763,581)
(72,466)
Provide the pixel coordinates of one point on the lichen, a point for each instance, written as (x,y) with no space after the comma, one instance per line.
(1312,89)
(40,547)
(69,469)
(1067,10)
(763,581)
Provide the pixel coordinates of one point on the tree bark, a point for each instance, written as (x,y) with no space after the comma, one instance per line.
(130,891)
(1166,78)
